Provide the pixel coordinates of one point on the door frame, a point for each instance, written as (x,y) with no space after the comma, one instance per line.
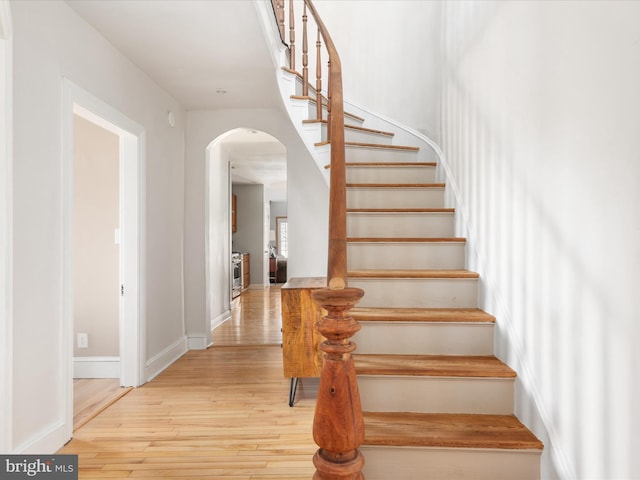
(6,229)
(132,332)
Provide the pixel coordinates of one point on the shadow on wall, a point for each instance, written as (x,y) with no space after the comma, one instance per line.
(519,180)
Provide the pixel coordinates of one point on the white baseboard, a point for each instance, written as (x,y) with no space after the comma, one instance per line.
(156,364)
(96,367)
(197,342)
(220,319)
(46,441)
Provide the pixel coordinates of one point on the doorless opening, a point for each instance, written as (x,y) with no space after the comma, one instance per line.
(96,251)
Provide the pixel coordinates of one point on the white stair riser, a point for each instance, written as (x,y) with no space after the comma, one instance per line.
(386,174)
(428,338)
(418,463)
(380,155)
(311,91)
(364,197)
(352,121)
(435,256)
(418,292)
(400,225)
(383,393)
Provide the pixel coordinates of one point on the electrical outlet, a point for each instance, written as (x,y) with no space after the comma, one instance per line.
(83,340)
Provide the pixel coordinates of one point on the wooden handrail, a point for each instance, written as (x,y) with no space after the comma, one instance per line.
(338,426)
(337,264)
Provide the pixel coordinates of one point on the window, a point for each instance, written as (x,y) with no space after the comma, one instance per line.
(282,236)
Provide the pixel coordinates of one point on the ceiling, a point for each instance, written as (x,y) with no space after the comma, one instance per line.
(208,54)
(258,158)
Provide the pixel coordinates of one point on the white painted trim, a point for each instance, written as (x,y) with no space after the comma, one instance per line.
(166,357)
(6,229)
(220,319)
(132,227)
(195,342)
(198,342)
(48,440)
(96,367)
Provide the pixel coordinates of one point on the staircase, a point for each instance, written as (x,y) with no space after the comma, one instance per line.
(437,403)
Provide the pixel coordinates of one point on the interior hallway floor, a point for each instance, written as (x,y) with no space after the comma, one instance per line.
(215,413)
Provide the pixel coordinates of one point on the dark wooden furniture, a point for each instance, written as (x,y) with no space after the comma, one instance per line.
(272,270)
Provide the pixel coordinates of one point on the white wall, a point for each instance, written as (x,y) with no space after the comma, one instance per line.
(390,57)
(250,234)
(278,209)
(308,206)
(52,42)
(540,122)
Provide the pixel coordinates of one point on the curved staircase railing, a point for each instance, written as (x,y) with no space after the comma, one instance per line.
(338,424)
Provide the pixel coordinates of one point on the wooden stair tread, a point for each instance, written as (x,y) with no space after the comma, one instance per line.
(376,145)
(405,240)
(391,164)
(353,127)
(387,164)
(448,431)
(444,315)
(373,145)
(432,366)
(412,274)
(324,103)
(309,98)
(395,185)
(401,210)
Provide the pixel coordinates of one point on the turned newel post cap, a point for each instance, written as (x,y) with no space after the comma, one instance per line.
(339,298)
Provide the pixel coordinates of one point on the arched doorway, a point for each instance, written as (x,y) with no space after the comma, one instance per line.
(251,165)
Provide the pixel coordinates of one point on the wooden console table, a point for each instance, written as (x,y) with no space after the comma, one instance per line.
(300,340)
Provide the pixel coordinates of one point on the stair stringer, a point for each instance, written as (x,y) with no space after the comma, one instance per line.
(403,134)
(312,133)
(298,111)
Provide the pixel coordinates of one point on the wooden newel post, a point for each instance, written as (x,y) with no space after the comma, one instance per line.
(338,427)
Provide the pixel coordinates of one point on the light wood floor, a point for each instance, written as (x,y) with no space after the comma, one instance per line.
(92,395)
(216,413)
(255,319)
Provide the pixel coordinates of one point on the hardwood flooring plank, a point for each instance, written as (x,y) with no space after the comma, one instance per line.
(255,320)
(92,395)
(216,413)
